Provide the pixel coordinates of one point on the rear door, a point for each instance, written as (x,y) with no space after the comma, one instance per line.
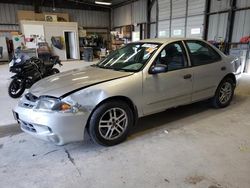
(207,69)
(171,88)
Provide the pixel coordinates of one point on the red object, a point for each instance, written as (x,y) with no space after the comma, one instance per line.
(29,39)
(245,39)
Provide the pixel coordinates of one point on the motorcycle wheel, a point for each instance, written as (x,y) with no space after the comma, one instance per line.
(16,88)
(54,71)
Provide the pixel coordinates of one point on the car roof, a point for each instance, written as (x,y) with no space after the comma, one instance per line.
(165,40)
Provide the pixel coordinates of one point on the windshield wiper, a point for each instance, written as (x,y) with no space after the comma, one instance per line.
(102,67)
(124,70)
(111,68)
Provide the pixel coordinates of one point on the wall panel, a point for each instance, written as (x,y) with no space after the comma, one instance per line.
(139,10)
(178,8)
(164,9)
(195,26)
(164,27)
(122,15)
(219,5)
(241,25)
(130,14)
(243,3)
(196,7)
(178,27)
(217,26)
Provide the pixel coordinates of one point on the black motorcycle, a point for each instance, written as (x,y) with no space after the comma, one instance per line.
(28,71)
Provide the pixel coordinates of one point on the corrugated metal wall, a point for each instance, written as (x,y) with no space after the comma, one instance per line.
(195,23)
(217,26)
(218,22)
(164,10)
(130,14)
(178,27)
(182,17)
(179,8)
(164,28)
(83,17)
(219,5)
(196,7)
(122,15)
(243,3)
(241,25)
(139,11)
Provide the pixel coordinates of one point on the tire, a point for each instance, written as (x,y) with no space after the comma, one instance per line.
(226,89)
(16,88)
(54,71)
(104,128)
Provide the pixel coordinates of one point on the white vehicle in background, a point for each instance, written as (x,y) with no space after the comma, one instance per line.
(139,79)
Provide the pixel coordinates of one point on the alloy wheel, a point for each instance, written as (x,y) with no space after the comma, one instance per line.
(225,92)
(113,123)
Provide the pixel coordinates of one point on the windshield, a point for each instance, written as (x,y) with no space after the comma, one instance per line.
(131,57)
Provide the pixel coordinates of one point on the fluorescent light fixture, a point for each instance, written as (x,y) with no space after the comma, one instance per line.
(102,3)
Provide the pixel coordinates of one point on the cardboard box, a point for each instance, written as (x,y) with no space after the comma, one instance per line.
(31,15)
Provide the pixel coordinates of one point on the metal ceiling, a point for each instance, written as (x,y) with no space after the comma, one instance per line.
(71,4)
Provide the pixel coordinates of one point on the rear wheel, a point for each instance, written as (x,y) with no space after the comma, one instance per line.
(224,93)
(110,123)
(16,88)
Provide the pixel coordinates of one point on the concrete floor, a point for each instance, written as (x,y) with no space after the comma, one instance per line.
(191,146)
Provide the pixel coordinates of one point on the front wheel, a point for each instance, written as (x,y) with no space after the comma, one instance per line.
(16,88)
(224,93)
(110,123)
(54,71)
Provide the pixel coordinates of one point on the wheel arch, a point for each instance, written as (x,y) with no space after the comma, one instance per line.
(229,75)
(214,98)
(121,98)
(232,76)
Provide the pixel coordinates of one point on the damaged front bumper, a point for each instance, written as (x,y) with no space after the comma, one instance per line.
(57,127)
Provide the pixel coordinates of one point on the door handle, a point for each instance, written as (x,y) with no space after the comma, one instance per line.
(187,76)
(223,68)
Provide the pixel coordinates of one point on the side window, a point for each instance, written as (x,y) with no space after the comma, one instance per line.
(174,56)
(201,53)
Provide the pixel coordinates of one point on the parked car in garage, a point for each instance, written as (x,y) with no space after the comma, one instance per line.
(139,79)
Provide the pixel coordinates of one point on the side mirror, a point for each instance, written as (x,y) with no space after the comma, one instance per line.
(158,68)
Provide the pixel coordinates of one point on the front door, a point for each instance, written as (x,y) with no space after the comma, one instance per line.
(171,88)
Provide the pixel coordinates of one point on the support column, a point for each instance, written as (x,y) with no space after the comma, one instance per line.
(206,19)
(230,24)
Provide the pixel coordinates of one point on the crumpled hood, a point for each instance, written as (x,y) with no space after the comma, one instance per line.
(62,83)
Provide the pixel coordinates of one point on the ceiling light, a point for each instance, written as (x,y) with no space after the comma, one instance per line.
(102,3)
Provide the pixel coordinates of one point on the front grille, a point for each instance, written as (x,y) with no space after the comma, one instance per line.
(26,105)
(31,97)
(27,126)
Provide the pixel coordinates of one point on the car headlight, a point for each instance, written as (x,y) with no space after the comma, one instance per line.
(54,104)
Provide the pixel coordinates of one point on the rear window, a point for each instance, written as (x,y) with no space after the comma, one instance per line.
(201,53)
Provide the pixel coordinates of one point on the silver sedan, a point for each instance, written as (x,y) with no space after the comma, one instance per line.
(139,79)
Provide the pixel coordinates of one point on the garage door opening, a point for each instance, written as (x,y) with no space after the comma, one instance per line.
(70,44)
